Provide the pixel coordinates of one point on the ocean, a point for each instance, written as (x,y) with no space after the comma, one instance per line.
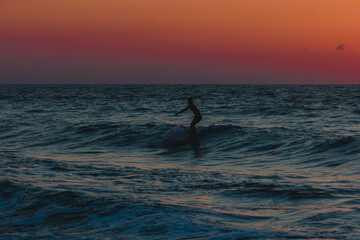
(269,162)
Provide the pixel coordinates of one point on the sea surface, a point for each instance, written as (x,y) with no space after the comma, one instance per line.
(269,162)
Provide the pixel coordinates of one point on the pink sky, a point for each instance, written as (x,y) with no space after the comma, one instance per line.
(180,41)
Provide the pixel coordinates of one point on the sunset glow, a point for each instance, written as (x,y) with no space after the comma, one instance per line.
(258,41)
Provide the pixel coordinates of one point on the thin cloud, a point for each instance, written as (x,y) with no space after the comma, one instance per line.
(340,47)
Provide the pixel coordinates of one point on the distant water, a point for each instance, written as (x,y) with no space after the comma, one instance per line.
(86,162)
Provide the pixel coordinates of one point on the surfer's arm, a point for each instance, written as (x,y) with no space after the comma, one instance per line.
(182,111)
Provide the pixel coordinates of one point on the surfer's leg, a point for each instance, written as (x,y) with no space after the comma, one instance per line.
(195,121)
(192,127)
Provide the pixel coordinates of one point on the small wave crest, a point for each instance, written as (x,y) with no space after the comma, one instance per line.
(346,146)
(219,129)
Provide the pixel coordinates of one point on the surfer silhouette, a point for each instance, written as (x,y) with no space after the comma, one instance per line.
(196,118)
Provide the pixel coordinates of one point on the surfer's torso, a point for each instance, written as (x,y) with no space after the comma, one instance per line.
(195,110)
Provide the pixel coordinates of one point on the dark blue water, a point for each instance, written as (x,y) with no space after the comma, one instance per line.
(271,162)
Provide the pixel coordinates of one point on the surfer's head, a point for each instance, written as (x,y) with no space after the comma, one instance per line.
(189,100)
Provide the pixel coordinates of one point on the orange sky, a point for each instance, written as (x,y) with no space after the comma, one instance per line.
(271,39)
